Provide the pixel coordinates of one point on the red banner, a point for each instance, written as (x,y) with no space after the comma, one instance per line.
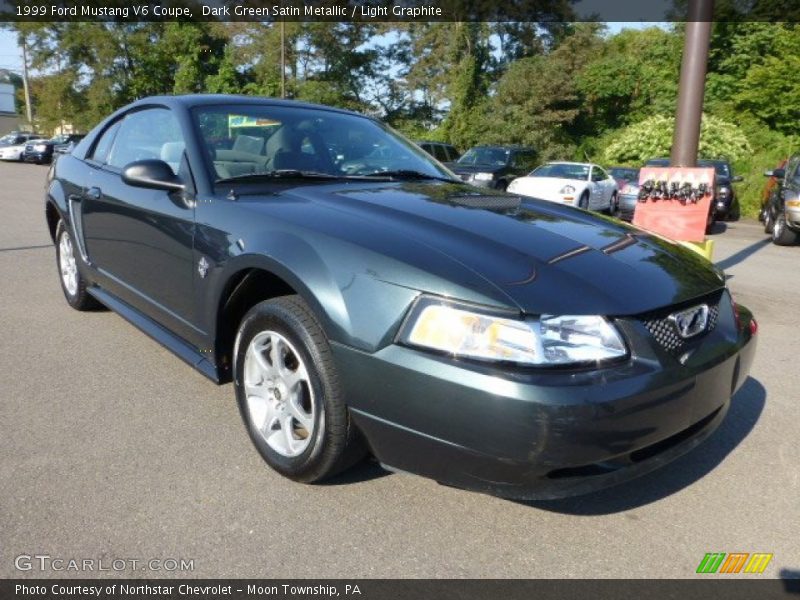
(677,202)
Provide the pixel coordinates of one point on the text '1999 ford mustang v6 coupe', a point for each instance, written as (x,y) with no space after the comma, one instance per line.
(363,299)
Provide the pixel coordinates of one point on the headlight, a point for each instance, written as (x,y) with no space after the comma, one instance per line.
(484,176)
(724,191)
(40,147)
(567,189)
(462,331)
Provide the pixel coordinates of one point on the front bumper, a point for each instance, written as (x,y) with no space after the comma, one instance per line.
(544,434)
(37,157)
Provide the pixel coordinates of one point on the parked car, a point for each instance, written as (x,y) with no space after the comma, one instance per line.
(766,196)
(627,179)
(494,166)
(487,341)
(13,145)
(783,211)
(444,153)
(584,185)
(42,151)
(725,201)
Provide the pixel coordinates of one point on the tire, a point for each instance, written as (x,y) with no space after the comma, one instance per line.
(289,393)
(613,205)
(583,202)
(73,284)
(781,234)
(769,221)
(711,221)
(502,186)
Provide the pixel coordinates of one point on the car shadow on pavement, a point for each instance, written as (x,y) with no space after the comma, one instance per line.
(745,410)
(743,254)
(367,470)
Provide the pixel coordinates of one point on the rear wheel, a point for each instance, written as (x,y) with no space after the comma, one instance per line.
(289,394)
(73,284)
(781,234)
(613,205)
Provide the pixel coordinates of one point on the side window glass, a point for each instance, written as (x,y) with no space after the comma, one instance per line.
(147,134)
(793,171)
(103,145)
(439,153)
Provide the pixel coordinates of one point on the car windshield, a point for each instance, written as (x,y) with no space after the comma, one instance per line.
(562,171)
(721,168)
(8,139)
(496,157)
(623,173)
(245,141)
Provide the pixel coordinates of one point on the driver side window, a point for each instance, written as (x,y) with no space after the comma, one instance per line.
(149,133)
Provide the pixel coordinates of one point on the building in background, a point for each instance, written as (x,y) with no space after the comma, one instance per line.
(9,119)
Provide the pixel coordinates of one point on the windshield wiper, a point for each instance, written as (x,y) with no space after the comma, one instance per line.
(281,174)
(408,174)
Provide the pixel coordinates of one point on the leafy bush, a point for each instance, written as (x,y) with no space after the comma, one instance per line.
(652,137)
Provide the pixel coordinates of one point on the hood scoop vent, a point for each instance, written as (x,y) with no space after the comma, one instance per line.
(487,202)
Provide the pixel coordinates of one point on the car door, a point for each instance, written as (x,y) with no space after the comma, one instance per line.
(141,240)
(790,186)
(597,190)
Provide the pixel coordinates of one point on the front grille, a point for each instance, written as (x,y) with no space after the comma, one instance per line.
(663,329)
(29,148)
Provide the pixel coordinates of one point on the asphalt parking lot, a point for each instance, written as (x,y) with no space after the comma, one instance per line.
(112,448)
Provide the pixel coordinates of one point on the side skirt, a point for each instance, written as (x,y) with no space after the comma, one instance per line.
(170,341)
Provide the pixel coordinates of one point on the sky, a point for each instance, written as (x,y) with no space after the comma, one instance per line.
(11,54)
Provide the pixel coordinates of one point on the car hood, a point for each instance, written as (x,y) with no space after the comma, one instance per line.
(546,258)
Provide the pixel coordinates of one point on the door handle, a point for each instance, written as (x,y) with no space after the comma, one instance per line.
(94,193)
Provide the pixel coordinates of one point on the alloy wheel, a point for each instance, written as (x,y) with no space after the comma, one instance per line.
(280,401)
(67,264)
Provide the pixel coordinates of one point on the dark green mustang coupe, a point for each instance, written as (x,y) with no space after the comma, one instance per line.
(363,299)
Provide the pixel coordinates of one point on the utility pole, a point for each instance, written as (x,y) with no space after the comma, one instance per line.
(28,107)
(283,57)
(692,87)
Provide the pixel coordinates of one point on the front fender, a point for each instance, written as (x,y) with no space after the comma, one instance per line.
(354,306)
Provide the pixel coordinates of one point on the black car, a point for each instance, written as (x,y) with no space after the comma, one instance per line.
(497,343)
(725,202)
(41,151)
(782,215)
(442,152)
(494,166)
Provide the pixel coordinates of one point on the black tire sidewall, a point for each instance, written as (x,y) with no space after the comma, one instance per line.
(273,315)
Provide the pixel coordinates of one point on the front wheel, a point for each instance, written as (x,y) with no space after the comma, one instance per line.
(781,234)
(73,283)
(584,201)
(289,395)
(769,221)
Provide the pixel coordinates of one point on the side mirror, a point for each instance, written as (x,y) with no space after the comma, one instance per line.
(151,173)
(779,173)
(737,178)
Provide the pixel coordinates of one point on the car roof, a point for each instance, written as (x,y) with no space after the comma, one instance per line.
(567,162)
(503,146)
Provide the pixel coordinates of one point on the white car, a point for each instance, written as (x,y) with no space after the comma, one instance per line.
(12,147)
(584,185)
